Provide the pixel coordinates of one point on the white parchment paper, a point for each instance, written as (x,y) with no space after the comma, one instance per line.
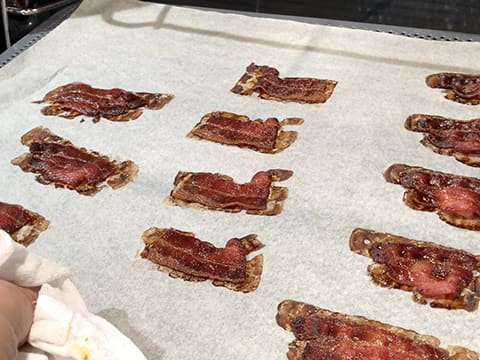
(342,150)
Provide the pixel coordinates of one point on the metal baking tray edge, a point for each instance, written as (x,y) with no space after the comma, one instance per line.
(56,19)
(36,34)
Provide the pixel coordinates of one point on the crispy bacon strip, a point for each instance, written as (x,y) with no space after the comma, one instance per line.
(456,199)
(182,255)
(435,274)
(462,88)
(324,335)
(458,138)
(77,98)
(266,82)
(232,129)
(57,161)
(24,226)
(220,192)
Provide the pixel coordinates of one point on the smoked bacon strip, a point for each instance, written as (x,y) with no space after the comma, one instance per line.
(456,199)
(182,255)
(75,99)
(325,335)
(462,88)
(24,226)
(220,192)
(57,161)
(435,274)
(265,81)
(232,129)
(457,138)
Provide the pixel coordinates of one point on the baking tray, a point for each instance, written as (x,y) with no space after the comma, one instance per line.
(338,159)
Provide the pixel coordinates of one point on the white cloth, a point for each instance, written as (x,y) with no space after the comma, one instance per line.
(62,326)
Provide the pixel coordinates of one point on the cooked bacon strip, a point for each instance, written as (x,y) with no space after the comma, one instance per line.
(232,129)
(329,349)
(265,81)
(462,88)
(324,335)
(21,224)
(458,138)
(182,255)
(220,192)
(456,199)
(440,275)
(57,161)
(77,98)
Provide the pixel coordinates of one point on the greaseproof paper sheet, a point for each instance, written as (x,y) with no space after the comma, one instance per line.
(338,159)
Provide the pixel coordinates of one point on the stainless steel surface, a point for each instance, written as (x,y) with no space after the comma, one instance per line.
(6,32)
(17,8)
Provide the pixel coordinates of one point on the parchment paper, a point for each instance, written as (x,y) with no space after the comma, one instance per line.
(338,160)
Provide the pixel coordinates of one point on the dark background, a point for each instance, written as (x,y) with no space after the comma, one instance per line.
(450,15)
(19,26)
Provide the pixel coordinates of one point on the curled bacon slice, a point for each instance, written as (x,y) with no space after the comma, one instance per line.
(266,82)
(24,226)
(182,255)
(456,199)
(77,98)
(57,161)
(462,88)
(458,138)
(437,274)
(220,192)
(325,335)
(232,129)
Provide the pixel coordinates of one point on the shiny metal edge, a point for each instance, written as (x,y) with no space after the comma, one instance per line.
(37,34)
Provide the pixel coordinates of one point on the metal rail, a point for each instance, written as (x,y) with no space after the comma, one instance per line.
(6,30)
